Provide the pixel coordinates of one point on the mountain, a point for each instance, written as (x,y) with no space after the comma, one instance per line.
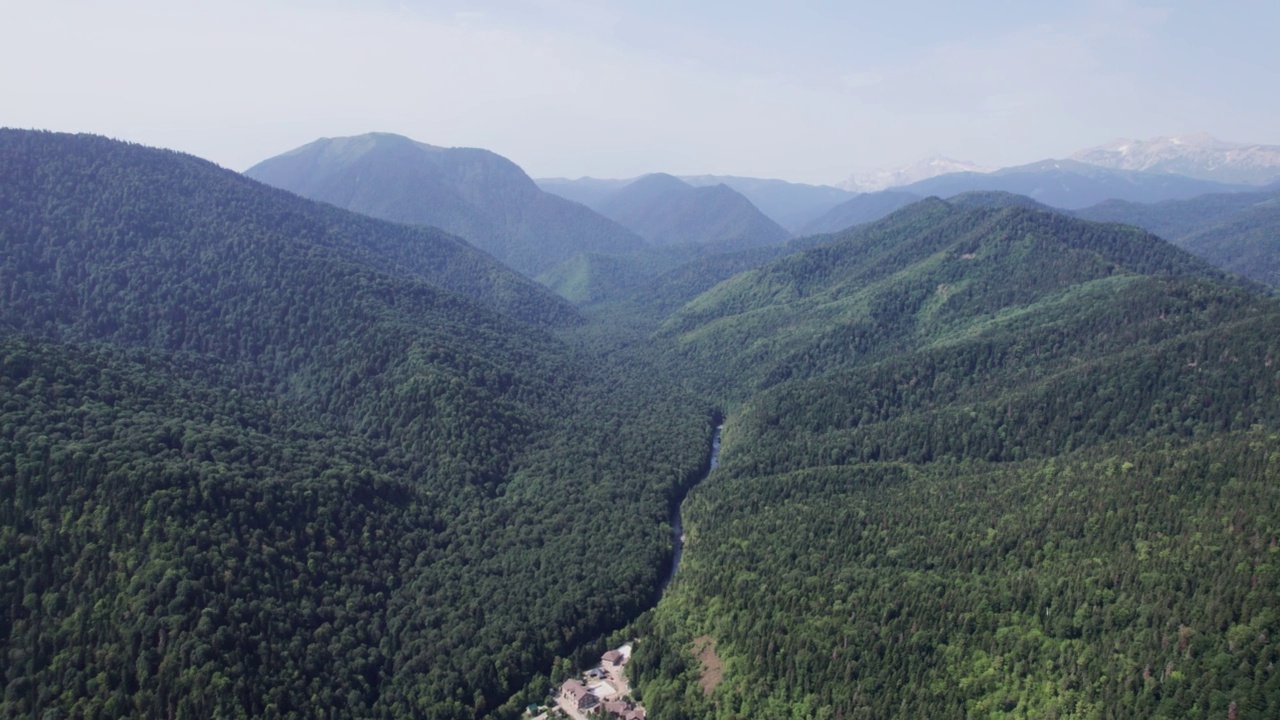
(980,462)
(668,211)
(265,457)
(585,190)
(1239,232)
(864,208)
(900,177)
(476,194)
(789,204)
(1197,156)
(1071,184)
(813,303)
(260,456)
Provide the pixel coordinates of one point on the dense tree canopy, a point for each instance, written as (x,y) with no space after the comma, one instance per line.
(261,457)
(264,457)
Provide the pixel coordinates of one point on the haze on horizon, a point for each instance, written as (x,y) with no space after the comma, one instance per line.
(808,93)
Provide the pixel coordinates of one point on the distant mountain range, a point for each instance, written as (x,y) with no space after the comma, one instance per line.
(1071,184)
(476,194)
(789,204)
(1239,232)
(864,208)
(666,210)
(1197,156)
(1170,168)
(900,177)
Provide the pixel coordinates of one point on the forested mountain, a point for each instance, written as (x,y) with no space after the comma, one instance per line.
(791,205)
(585,190)
(668,211)
(479,195)
(1239,232)
(1071,184)
(263,457)
(860,209)
(979,462)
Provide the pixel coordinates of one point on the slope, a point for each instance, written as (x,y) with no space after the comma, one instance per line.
(476,194)
(791,205)
(259,460)
(1237,231)
(864,208)
(667,211)
(987,462)
(924,271)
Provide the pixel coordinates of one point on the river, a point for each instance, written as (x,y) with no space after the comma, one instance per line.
(677,523)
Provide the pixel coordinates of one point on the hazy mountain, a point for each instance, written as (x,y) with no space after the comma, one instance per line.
(860,209)
(1198,156)
(476,194)
(900,177)
(791,205)
(668,211)
(994,199)
(585,190)
(1239,232)
(1071,184)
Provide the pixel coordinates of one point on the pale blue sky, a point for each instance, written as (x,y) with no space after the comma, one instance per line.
(806,91)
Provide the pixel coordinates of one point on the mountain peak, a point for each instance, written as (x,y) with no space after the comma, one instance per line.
(470,192)
(1198,155)
(929,167)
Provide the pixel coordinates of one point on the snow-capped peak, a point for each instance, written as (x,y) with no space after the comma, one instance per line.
(1197,155)
(884,178)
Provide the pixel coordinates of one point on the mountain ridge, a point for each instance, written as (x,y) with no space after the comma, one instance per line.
(474,193)
(1198,155)
(666,210)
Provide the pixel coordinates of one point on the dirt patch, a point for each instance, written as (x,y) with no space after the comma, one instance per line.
(704,647)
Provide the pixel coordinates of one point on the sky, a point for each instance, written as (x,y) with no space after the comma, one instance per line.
(803,91)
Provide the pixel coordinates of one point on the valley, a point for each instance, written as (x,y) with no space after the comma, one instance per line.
(971,456)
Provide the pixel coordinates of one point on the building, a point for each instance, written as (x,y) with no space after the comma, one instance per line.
(577,695)
(622,709)
(614,659)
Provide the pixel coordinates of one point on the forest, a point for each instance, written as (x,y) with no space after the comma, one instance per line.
(264,457)
(982,461)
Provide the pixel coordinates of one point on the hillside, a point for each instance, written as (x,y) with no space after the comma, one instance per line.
(916,266)
(668,211)
(261,456)
(858,210)
(1070,184)
(791,205)
(968,448)
(1239,232)
(585,190)
(476,194)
